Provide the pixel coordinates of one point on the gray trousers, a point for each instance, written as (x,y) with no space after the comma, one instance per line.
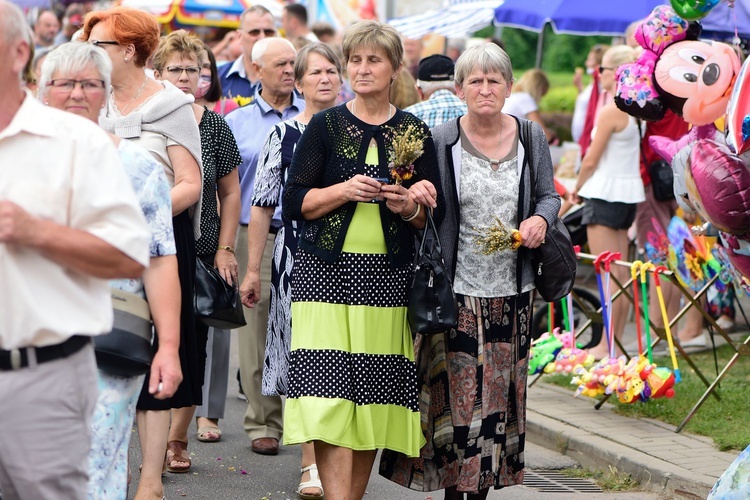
(263,414)
(46,411)
(216,377)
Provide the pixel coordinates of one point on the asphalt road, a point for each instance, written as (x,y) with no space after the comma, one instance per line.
(230,470)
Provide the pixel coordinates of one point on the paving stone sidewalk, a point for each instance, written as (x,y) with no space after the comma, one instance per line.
(679,465)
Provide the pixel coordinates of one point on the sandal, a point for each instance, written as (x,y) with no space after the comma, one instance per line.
(208,433)
(177,452)
(314,482)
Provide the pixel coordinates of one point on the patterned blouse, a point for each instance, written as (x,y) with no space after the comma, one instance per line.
(220,156)
(274,160)
(486,194)
(152,188)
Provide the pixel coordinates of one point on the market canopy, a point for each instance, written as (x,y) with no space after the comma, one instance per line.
(457,20)
(574,17)
(723,19)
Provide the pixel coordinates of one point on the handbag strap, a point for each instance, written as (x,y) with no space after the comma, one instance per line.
(429,225)
(524,134)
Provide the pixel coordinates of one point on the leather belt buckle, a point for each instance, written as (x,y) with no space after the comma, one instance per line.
(15,359)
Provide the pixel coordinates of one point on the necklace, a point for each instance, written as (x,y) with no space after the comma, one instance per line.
(390,111)
(494,162)
(130,103)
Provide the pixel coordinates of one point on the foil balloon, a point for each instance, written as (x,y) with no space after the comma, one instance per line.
(738,252)
(677,152)
(692,10)
(675,71)
(738,113)
(718,186)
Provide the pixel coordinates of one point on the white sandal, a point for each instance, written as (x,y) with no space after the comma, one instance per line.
(314,482)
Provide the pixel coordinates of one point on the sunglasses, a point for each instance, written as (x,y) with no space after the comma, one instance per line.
(602,68)
(269,32)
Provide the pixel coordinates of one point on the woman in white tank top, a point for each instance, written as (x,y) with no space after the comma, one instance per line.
(610,181)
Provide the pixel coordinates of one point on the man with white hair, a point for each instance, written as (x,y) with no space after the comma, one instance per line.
(69,221)
(274,101)
(437,91)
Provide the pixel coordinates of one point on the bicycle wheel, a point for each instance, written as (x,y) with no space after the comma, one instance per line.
(590,337)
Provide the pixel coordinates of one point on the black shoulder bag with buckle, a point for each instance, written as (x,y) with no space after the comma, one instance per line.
(554,261)
(432,306)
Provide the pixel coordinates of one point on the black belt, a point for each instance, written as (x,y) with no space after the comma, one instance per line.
(16,359)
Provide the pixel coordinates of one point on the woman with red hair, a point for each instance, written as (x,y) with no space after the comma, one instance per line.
(160,118)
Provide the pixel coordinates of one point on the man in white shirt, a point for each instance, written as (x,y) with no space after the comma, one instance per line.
(69,221)
(294,23)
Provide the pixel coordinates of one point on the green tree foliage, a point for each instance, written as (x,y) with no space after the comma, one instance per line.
(561,52)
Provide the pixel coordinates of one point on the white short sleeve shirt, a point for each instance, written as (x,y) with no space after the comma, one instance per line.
(64,168)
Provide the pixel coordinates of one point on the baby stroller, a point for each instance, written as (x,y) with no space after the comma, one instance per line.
(583,300)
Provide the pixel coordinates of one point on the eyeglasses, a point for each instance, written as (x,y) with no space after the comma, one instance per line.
(269,32)
(176,71)
(602,68)
(104,42)
(66,85)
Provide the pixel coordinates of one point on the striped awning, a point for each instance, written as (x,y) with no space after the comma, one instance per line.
(460,19)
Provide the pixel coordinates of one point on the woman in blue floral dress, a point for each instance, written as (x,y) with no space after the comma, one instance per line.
(115,408)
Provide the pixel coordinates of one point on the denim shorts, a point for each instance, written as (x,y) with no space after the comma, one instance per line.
(612,214)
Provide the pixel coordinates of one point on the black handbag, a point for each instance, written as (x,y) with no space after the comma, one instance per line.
(217,303)
(554,261)
(126,351)
(432,306)
(661,174)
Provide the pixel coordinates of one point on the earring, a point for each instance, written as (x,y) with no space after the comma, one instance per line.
(125,59)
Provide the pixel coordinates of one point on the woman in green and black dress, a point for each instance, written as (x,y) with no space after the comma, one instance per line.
(352,378)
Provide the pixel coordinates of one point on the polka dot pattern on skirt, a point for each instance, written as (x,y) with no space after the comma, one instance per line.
(356,279)
(364,379)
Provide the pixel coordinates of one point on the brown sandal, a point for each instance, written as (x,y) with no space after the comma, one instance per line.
(179,453)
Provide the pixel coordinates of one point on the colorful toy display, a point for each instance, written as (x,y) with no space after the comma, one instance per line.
(543,351)
(675,71)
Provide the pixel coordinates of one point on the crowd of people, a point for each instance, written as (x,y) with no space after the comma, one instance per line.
(271,159)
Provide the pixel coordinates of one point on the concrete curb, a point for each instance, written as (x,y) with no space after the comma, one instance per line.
(596,452)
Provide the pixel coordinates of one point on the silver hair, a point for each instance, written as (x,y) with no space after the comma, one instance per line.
(13,24)
(487,57)
(73,57)
(429,87)
(262,45)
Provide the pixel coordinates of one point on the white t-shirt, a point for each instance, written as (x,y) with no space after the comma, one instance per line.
(520,104)
(63,168)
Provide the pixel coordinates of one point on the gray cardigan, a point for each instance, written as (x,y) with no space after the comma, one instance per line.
(448,145)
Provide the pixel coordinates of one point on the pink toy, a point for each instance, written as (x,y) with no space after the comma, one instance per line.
(601,378)
(675,71)
(568,359)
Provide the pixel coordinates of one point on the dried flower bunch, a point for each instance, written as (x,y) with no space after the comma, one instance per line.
(407,145)
(497,237)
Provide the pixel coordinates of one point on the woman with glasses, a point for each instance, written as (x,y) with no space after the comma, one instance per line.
(178,61)
(160,118)
(610,181)
(75,78)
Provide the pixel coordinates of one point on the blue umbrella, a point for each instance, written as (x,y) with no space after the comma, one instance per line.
(27,4)
(574,17)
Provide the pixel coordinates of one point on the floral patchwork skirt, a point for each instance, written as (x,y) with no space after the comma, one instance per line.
(472,400)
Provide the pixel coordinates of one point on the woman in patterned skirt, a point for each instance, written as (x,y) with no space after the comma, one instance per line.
(352,378)
(473,378)
(317,76)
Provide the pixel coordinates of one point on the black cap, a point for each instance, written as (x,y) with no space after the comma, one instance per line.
(435,68)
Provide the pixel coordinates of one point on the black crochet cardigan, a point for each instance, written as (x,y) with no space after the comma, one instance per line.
(332,150)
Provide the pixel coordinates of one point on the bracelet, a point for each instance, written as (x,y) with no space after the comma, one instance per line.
(226,247)
(413,215)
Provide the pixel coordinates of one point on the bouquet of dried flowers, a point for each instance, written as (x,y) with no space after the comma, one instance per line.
(407,145)
(497,237)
